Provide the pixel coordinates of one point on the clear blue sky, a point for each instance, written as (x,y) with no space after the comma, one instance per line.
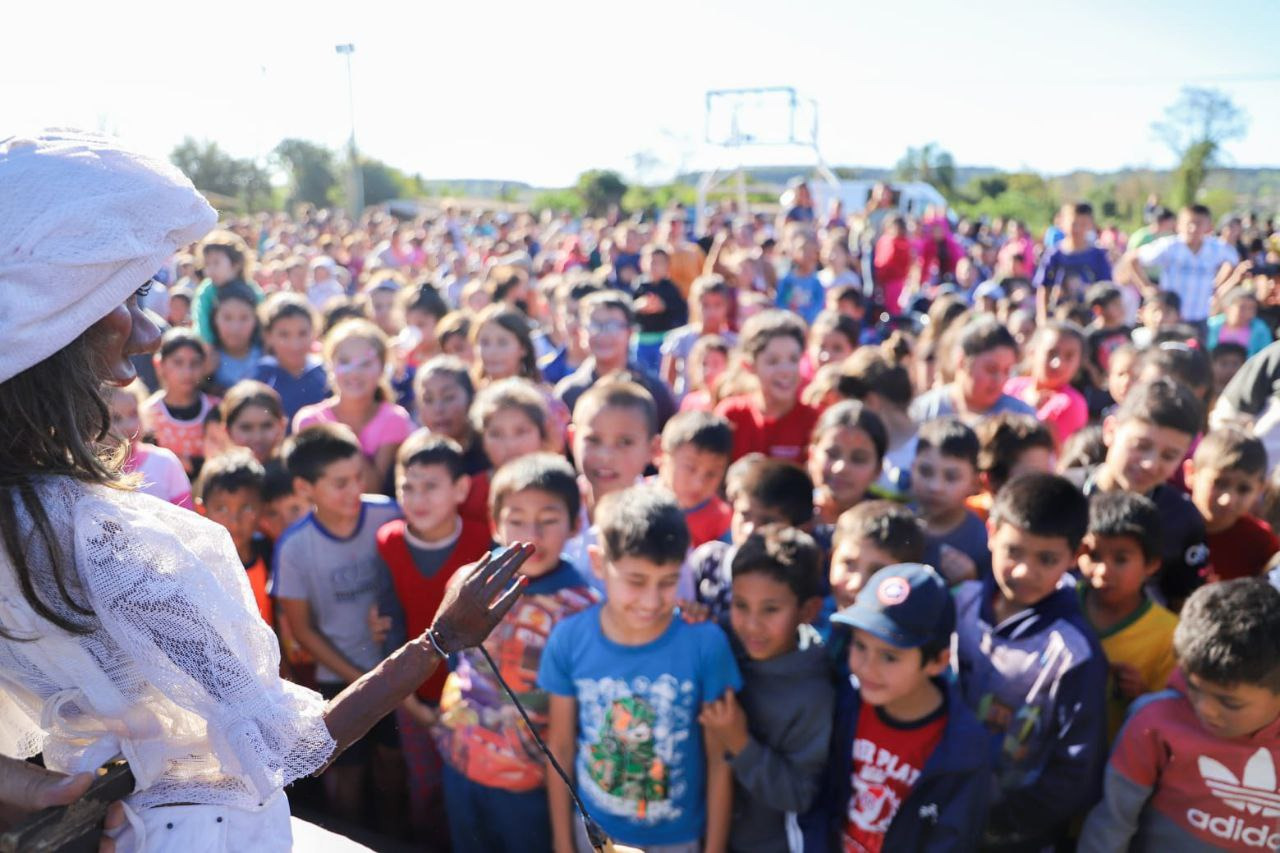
(541,91)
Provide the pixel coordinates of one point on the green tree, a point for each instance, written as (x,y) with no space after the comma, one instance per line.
(600,190)
(641,199)
(989,187)
(1103,198)
(930,164)
(312,173)
(1195,127)
(213,170)
(1018,195)
(557,201)
(381,182)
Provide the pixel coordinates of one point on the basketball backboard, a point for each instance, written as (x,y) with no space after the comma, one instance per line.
(773,115)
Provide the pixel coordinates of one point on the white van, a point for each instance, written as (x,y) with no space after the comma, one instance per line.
(913,197)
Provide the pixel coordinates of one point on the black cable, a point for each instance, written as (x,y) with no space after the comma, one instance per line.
(594,834)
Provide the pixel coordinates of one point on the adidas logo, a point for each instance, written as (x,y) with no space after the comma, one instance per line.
(1254,794)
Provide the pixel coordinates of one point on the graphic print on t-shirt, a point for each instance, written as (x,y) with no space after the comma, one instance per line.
(354,580)
(1254,794)
(480,733)
(875,798)
(635,730)
(887,760)
(624,762)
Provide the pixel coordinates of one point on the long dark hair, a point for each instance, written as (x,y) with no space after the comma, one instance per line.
(511,320)
(53,421)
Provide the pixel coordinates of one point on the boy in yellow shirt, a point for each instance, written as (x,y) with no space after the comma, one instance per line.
(1121,552)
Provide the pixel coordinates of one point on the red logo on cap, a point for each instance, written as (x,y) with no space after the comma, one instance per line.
(893,591)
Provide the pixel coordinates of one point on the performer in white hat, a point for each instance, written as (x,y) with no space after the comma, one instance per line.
(127,625)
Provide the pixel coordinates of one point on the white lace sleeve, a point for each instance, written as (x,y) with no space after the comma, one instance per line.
(168,586)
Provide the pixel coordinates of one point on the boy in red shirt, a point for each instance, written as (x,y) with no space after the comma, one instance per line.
(422,551)
(905,745)
(1225,477)
(771,419)
(695,453)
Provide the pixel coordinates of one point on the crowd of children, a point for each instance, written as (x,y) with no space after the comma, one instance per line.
(852,532)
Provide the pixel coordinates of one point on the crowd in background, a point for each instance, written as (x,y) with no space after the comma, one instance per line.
(857,530)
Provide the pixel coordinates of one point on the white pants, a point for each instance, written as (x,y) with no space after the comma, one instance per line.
(223,829)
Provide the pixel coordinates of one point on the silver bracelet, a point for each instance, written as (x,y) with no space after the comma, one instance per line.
(435,643)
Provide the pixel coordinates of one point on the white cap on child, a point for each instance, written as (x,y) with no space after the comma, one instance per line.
(83,224)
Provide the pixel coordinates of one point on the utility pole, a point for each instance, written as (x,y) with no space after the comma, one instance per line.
(357,175)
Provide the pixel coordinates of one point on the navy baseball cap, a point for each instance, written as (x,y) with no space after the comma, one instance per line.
(906,605)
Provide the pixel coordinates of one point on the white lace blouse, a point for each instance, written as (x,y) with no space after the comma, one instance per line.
(179,673)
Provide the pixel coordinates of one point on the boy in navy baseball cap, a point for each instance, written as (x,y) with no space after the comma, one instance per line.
(904,743)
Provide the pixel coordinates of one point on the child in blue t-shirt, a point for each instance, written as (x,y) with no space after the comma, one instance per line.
(298,376)
(627,681)
(800,290)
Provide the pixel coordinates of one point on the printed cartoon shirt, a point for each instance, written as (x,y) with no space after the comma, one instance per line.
(480,733)
(887,759)
(640,763)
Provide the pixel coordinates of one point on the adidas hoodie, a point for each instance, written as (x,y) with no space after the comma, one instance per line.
(1172,786)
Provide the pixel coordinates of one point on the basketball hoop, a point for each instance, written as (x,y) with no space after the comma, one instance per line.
(770,116)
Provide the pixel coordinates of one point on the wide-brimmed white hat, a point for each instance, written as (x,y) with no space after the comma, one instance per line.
(83,224)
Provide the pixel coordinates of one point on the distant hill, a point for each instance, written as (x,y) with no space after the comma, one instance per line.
(478,188)
(1250,188)
(1237,188)
(779,175)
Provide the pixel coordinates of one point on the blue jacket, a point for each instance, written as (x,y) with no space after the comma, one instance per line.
(1037,681)
(947,807)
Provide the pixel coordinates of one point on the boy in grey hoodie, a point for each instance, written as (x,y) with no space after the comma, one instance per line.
(776,733)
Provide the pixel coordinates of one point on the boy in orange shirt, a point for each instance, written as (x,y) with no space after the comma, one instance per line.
(229,492)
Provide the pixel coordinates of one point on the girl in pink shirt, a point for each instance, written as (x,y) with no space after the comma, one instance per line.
(1056,350)
(162,474)
(355,353)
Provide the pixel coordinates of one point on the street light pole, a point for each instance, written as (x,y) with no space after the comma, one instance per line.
(357,175)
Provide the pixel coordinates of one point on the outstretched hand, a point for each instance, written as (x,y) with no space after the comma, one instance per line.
(478,598)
